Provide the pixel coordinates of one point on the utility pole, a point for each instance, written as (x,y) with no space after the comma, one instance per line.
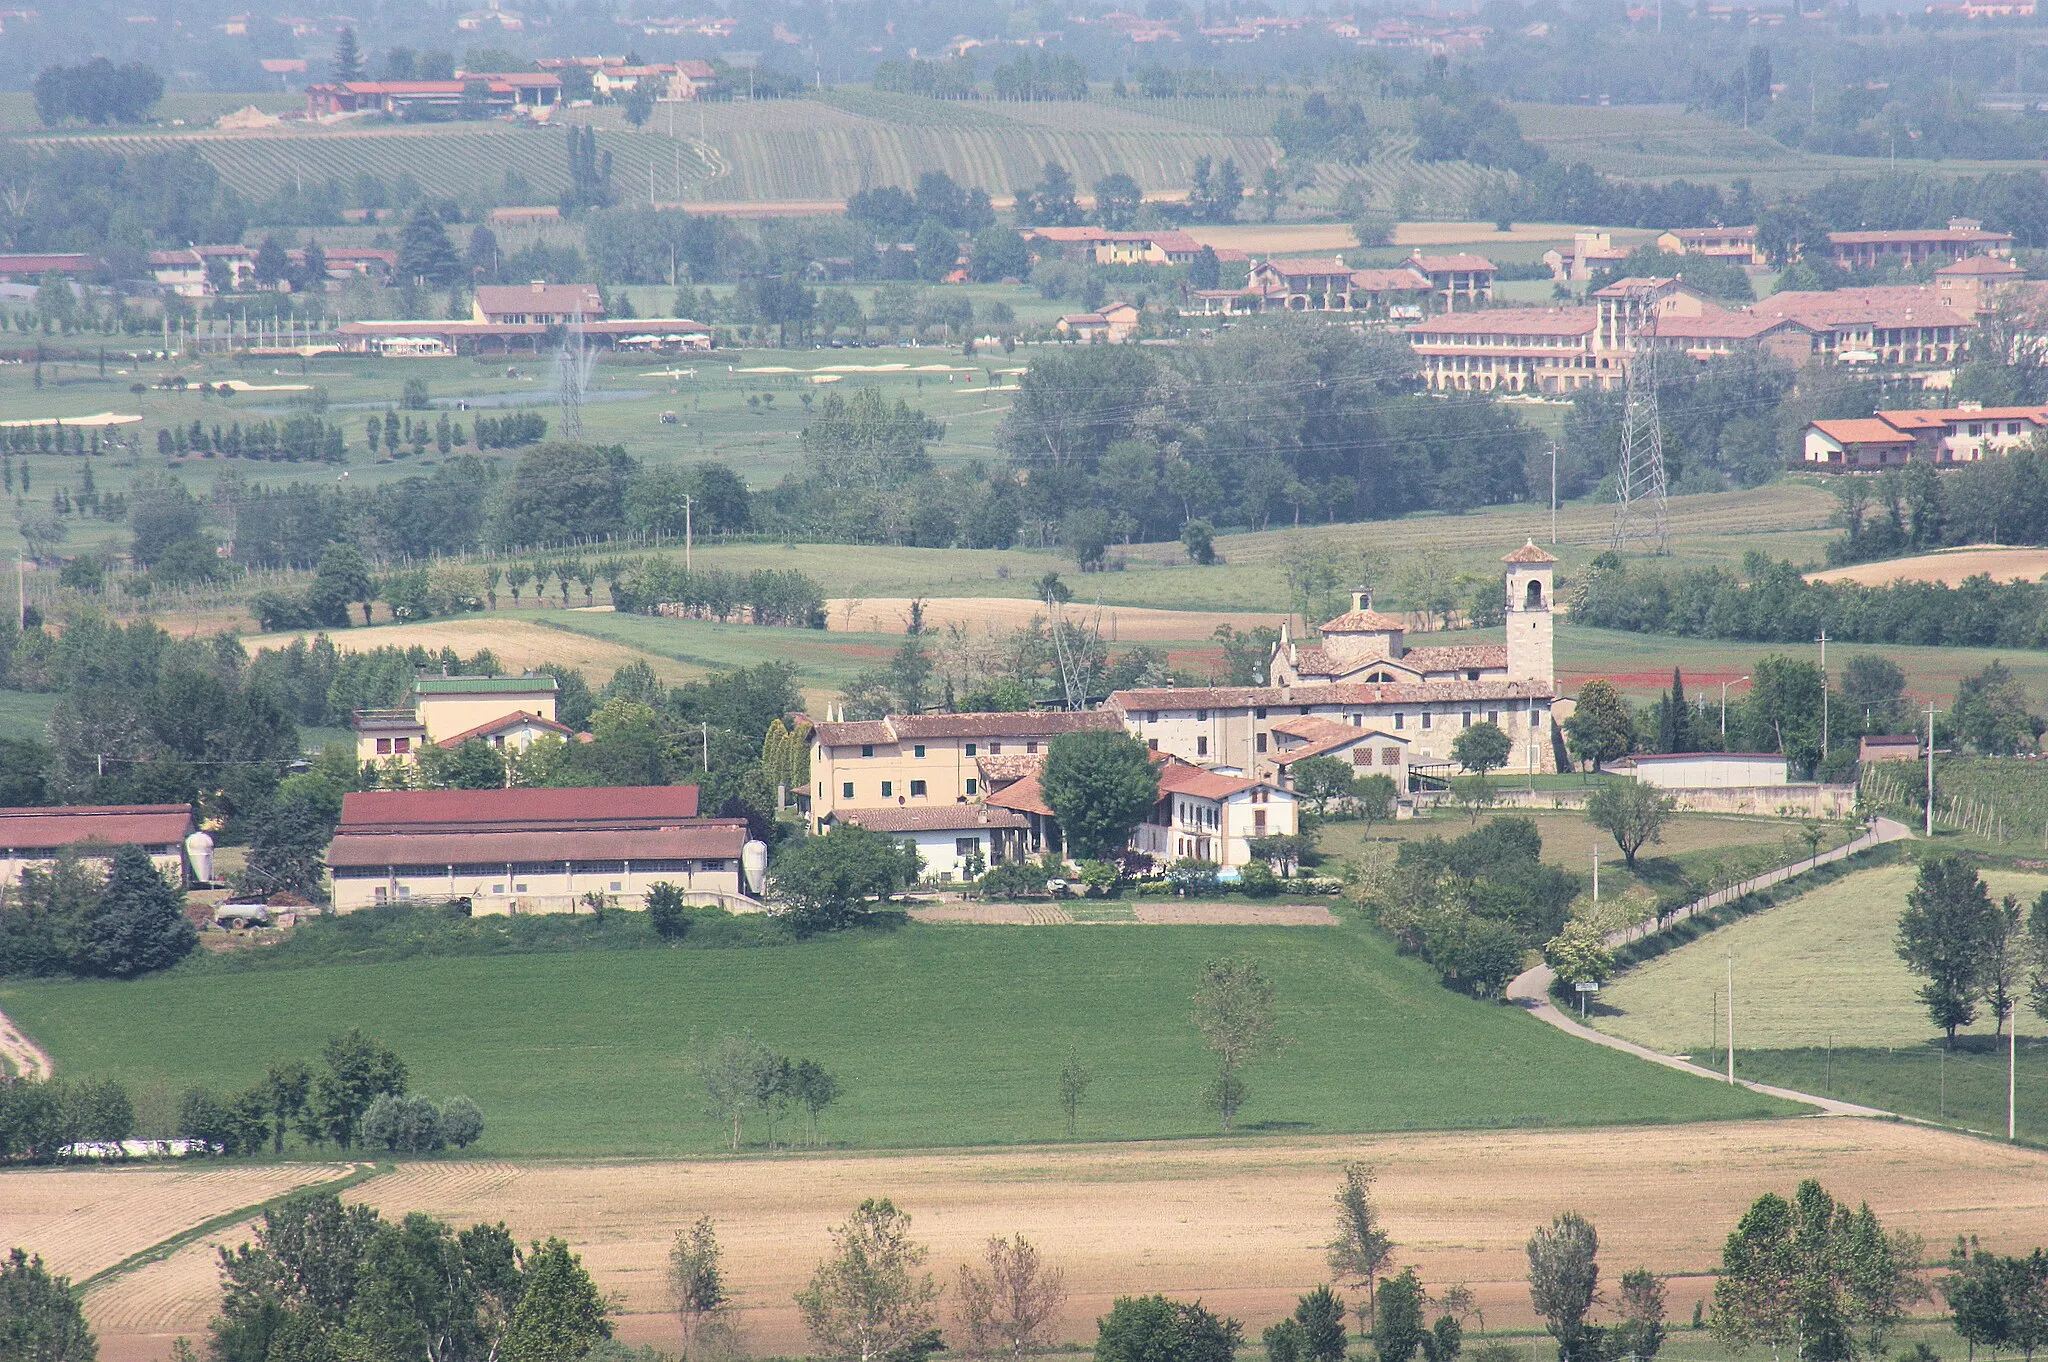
(1596,874)
(2012,1074)
(1731,1012)
(688,534)
(1823,641)
(1553,494)
(1930,768)
(705,728)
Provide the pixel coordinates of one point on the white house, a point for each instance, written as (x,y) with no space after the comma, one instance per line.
(1705,770)
(1209,816)
(947,836)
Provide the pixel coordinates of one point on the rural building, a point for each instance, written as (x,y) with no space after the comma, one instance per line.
(503,93)
(33,838)
(1323,285)
(1704,770)
(1205,815)
(1514,349)
(611,77)
(1908,326)
(1115,323)
(1889,747)
(1363,675)
(1734,245)
(909,761)
(502,710)
(1456,280)
(1973,285)
(1100,246)
(1963,433)
(534,851)
(29,269)
(1369,751)
(947,836)
(538,303)
(1962,237)
(1590,252)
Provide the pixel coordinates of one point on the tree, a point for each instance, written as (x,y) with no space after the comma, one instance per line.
(1874,691)
(2005,952)
(561,1315)
(288,849)
(1992,714)
(1320,1315)
(347,62)
(1155,1329)
(425,255)
(1600,729)
(1397,1328)
(870,1297)
(40,1318)
(1074,1081)
(343,578)
(1482,747)
(1318,780)
(1362,1248)
(2037,956)
(1674,720)
(472,764)
(808,1085)
(138,923)
(1642,1330)
(1942,938)
(666,911)
(1234,1010)
(696,1279)
(1198,538)
(999,253)
(1812,1271)
(1473,793)
(286,1085)
(1117,201)
(1632,812)
(1564,1279)
(826,883)
(358,1071)
(1373,796)
(937,251)
(1051,202)
(1009,1304)
(462,1122)
(1579,953)
(740,1075)
(1100,784)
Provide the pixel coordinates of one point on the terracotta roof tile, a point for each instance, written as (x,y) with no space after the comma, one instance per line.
(933,818)
(422,810)
(113,824)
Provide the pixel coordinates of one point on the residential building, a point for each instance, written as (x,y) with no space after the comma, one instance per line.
(538,303)
(503,93)
(1115,323)
(1100,246)
(1369,751)
(1733,245)
(512,709)
(1963,237)
(1362,674)
(1514,349)
(1908,326)
(1205,815)
(679,81)
(536,851)
(1704,770)
(1963,433)
(1590,252)
(33,838)
(927,760)
(181,272)
(949,836)
(1456,280)
(1973,285)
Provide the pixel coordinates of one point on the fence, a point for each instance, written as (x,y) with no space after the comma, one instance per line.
(1883,787)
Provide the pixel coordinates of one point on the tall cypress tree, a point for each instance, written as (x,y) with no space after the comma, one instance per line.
(347,62)
(1674,725)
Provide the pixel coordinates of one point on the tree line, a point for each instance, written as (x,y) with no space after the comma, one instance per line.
(1972,953)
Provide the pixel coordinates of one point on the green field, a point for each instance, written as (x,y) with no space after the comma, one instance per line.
(1819,966)
(941,1036)
(1965,1087)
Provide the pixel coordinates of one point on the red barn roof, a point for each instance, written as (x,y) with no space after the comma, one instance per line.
(452,810)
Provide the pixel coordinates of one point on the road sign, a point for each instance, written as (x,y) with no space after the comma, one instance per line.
(1587,986)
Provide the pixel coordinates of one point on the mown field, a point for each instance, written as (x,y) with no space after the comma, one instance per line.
(941,1036)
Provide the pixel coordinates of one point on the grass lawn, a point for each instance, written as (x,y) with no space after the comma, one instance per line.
(25,714)
(1820,966)
(941,1036)
(1966,1087)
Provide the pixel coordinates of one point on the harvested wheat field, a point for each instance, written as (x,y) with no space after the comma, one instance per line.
(518,643)
(1119,623)
(1951,567)
(1239,1225)
(84,1220)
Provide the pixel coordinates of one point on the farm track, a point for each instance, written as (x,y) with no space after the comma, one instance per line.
(22,1057)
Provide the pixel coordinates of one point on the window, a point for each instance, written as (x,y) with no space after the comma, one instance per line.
(1390,756)
(867,749)
(973,785)
(1152,744)
(888,788)
(617,885)
(1258,822)
(1400,721)
(1201,716)
(846,790)
(518,888)
(383,747)
(383,894)
(1262,742)
(966,846)
(1201,747)
(916,787)
(1493,716)
(1361,756)
(1425,719)
(497,889)
(995,749)
(970,749)
(1030,747)
(1260,711)
(401,744)
(917,751)
(1467,716)
(1472,675)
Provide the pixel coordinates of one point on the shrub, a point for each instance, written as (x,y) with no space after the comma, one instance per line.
(1258,880)
(462,1123)
(666,911)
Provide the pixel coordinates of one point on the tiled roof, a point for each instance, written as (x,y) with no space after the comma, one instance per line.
(713,840)
(1882,305)
(1717,325)
(113,824)
(1511,321)
(1365,622)
(1863,430)
(563,298)
(1939,236)
(1308,265)
(389,810)
(1529,553)
(1373,281)
(1980,264)
(1179,778)
(1342,693)
(1002,726)
(1024,796)
(1453,262)
(515,719)
(1455,657)
(934,818)
(1319,662)
(1003,769)
(1621,288)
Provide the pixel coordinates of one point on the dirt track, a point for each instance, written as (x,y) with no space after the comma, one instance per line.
(2003,565)
(1240,1226)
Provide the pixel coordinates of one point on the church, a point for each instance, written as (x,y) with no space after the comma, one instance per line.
(1361,675)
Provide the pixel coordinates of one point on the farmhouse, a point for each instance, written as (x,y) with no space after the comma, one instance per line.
(1704,770)
(505,711)
(535,851)
(1362,675)
(1211,816)
(501,93)
(1735,245)
(1590,252)
(949,837)
(32,838)
(912,761)
(1945,435)
(1962,237)
(1974,284)
(1371,751)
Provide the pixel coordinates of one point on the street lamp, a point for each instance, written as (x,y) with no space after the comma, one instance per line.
(1724,706)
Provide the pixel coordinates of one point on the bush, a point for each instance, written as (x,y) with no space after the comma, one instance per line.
(667,912)
(462,1123)
(406,1124)
(1014,880)
(1258,880)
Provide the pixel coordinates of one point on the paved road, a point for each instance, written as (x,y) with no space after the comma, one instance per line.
(1531,989)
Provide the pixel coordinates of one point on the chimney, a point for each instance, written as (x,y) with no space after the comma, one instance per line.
(539,285)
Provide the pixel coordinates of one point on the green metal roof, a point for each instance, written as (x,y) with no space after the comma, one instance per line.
(482,685)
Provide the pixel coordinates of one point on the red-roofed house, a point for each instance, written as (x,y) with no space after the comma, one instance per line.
(1961,238)
(27,269)
(514,709)
(537,303)
(1945,435)
(1457,279)
(1514,349)
(1210,816)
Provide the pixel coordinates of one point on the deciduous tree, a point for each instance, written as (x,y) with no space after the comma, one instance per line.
(696,1279)
(1482,747)
(1632,812)
(561,1315)
(1155,1329)
(1101,785)
(1234,1009)
(1010,1303)
(1362,1248)
(871,1296)
(40,1318)
(1564,1279)
(1942,938)
(1600,729)
(826,883)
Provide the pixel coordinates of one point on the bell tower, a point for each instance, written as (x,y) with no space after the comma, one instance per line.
(1530,582)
